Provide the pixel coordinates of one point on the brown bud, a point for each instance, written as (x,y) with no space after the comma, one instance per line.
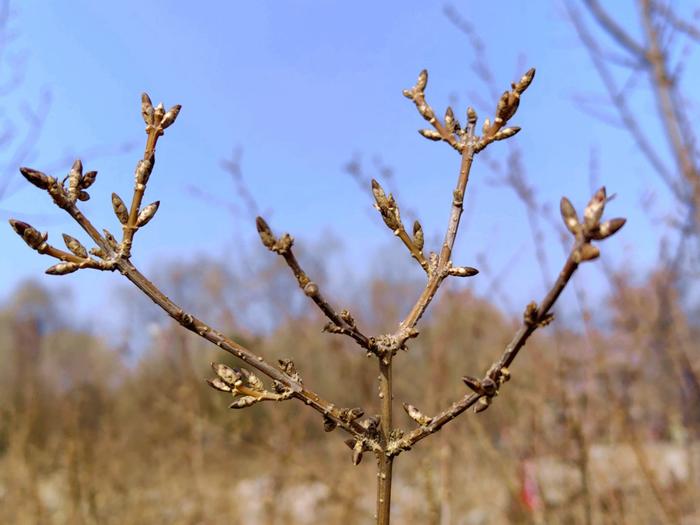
(62,268)
(111,240)
(74,246)
(170,116)
(531,313)
(158,113)
(39,179)
(243,402)
(266,236)
(418,237)
(430,134)
(594,210)
(608,228)
(147,214)
(489,387)
(29,234)
(525,81)
(471,116)
(450,122)
(587,252)
(98,252)
(568,214)
(474,384)
(143,170)
(146,109)
(219,384)
(83,196)
(482,404)
(417,415)
(120,209)
(311,289)
(486,126)
(506,133)
(422,81)
(357,451)
(251,379)
(462,271)
(329,424)
(74,177)
(227,374)
(88,179)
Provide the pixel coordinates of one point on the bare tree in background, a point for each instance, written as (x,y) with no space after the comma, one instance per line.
(376,434)
(651,54)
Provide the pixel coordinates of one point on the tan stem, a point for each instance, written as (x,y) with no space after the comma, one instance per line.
(384,460)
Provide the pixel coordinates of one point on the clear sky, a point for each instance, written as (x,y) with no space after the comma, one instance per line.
(301,86)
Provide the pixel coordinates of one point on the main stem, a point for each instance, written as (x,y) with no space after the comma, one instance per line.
(385,461)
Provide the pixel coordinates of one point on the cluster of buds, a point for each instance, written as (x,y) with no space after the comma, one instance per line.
(76,258)
(450,130)
(122,213)
(590,229)
(348,415)
(245,386)
(157,119)
(389,210)
(272,243)
(71,189)
(487,388)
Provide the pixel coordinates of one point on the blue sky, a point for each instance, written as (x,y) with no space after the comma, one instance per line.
(301,87)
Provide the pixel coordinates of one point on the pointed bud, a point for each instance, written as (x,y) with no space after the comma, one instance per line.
(379,194)
(422,81)
(471,116)
(98,252)
(120,209)
(62,268)
(430,134)
(595,208)
(170,116)
(329,424)
(266,236)
(357,451)
(88,179)
(608,228)
(219,384)
(143,170)
(39,179)
(482,404)
(158,113)
(77,168)
(525,81)
(568,214)
(506,133)
(74,246)
(450,119)
(146,109)
(147,214)
(243,402)
(229,375)
(462,271)
(83,196)
(29,234)
(74,177)
(474,384)
(416,415)
(418,237)
(486,126)
(111,240)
